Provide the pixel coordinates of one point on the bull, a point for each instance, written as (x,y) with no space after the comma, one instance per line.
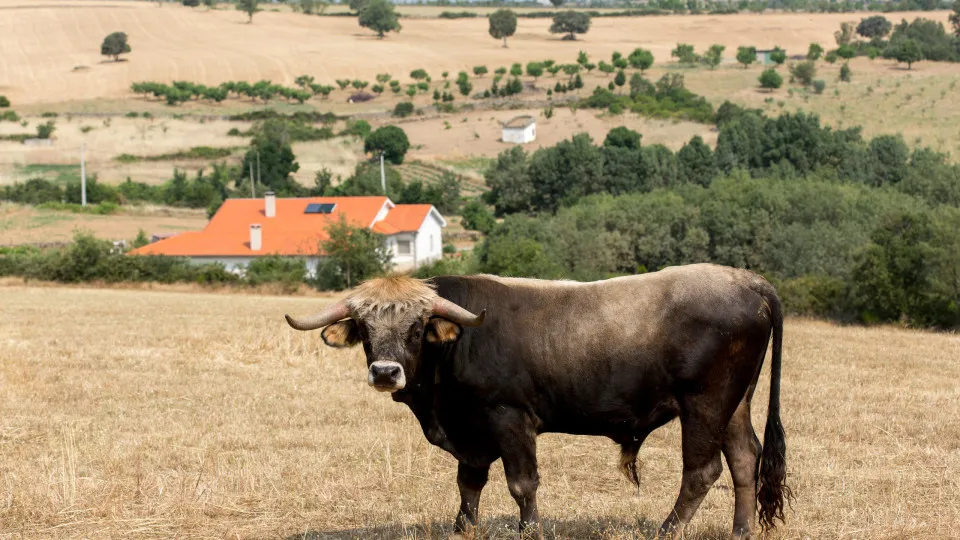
(487,363)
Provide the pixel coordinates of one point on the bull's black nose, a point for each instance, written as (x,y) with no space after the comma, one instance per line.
(388,372)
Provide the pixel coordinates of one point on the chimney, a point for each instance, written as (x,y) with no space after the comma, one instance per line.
(270,205)
(256,239)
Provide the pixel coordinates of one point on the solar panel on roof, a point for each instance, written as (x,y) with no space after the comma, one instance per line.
(319,208)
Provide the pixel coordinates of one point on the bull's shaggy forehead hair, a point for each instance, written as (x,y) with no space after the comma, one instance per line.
(390,297)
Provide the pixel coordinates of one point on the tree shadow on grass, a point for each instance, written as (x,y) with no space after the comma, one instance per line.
(505,528)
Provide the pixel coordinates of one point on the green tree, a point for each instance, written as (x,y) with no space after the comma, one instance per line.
(874,27)
(714,56)
(516,70)
(351,255)
(391,140)
(510,188)
(535,70)
(564,173)
(46,129)
(419,75)
(191,3)
(250,7)
(357,6)
(271,157)
(476,217)
(830,57)
(557,3)
(778,55)
(570,23)
(503,24)
(770,79)
(955,19)
(114,45)
(905,51)
(746,55)
(620,79)
(697,163)
(479,71)
(814,52)
(623,137)
(640,59)
(684,54)
(4,102)
(379,16)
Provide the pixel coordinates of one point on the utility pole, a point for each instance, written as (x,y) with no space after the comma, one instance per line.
(83,176)
(383,176)
(253,193)
(259,178)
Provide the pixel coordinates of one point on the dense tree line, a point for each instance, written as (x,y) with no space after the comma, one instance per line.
(848,228)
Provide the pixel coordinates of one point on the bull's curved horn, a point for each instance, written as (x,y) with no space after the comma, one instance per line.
(448,310)
(330,315)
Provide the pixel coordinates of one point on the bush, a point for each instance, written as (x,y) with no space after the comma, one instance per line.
(845,74)
(770,79)
(4,102)
(403,109)
(819,85)
(803,72)
(286,271)
(46,129)
(476,217)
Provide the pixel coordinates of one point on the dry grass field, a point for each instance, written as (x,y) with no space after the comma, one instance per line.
(43,43)
(28,225)
(137,414)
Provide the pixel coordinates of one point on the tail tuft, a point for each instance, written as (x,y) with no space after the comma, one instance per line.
(628,463)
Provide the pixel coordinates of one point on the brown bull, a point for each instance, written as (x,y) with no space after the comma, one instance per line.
(487,363)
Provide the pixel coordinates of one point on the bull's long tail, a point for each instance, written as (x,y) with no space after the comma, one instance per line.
(628,463)
(772,489)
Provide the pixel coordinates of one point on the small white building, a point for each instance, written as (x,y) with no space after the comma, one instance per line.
(244,229)
(520,130)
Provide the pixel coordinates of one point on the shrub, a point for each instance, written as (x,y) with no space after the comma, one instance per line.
(819,85)
(803,72)
(403,109)
(4,102)
(845,73)
(770,79)
(46,129)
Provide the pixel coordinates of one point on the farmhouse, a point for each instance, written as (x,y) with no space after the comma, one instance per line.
(243,229)
(520,130)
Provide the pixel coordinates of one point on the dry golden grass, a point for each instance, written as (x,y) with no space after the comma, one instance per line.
(44,41)
(135,414)
(25,224)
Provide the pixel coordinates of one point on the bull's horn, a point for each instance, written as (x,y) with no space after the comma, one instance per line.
(330,315)
(448,310)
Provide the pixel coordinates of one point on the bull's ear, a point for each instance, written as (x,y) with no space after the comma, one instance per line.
(440,330)
(341,334)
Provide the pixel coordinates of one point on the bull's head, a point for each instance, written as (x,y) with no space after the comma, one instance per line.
(392,317)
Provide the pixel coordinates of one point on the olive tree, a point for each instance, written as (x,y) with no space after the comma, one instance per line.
(503,24)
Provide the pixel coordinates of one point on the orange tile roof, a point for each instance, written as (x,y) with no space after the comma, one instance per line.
(407,217)
(290,232)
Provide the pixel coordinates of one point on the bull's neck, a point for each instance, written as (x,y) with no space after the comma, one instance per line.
(421,396)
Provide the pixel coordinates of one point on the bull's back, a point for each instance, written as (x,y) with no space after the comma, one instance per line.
(605,349)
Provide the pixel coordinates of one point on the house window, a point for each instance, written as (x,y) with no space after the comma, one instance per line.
(403,247)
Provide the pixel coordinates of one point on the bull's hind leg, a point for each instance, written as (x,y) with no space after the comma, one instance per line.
(470,480)
(742,450)
(701,442)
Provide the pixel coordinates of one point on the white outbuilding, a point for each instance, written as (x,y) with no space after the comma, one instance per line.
(520,130)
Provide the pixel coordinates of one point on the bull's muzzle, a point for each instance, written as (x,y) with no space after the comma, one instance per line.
(386,376)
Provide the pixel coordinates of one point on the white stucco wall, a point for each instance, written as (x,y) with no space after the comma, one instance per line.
(520,136)
(429,250)
(238,265)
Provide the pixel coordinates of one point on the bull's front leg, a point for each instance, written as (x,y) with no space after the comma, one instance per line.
(518,442)
(470,480)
